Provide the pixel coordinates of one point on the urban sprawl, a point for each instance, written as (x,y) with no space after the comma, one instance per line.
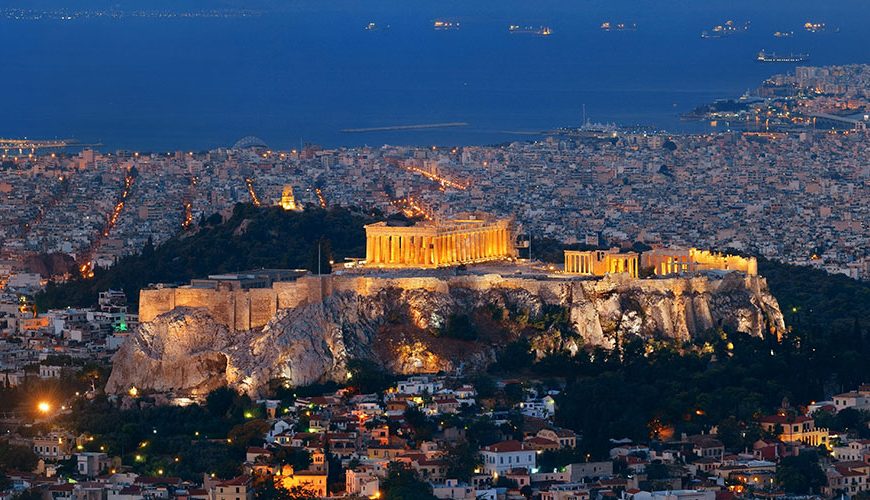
(787,179)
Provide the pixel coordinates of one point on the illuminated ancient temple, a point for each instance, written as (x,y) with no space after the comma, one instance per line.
(288,199)
(601,262)
(686,260)
(438,244)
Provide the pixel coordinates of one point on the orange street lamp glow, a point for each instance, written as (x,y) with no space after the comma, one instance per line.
(43,407)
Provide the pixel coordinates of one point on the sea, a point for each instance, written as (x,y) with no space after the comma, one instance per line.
(306,71)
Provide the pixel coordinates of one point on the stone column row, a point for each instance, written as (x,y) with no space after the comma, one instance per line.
(578,263)
(624,265)
(425,250)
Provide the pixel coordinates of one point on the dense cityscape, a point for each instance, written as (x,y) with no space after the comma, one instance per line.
(617,313)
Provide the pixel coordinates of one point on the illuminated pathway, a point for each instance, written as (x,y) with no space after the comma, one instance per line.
(188,216)
(410,207)
(86,268)
(443,181)
(250,183)
(320,197)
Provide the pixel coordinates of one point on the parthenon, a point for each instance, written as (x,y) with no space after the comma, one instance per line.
(433,244)
(601,262)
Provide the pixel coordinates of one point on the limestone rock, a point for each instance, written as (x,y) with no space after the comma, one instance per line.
(395,325)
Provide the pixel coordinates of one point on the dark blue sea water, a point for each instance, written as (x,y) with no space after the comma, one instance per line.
(307,69)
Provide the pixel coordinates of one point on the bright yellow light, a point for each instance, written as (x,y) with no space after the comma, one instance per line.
(43,407)
(133,392)
(249,414)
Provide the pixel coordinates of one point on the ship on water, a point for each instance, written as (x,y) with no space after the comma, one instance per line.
(784,34)
(516,29)
(774,58)
(815,27)
(729,28)
(608,26)
(445,25)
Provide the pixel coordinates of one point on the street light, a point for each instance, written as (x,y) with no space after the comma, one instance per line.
(43,407)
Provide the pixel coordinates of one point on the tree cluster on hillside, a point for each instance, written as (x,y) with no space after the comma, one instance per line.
(252,238)
(181,441)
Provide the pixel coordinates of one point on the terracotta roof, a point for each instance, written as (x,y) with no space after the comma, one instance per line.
(540,441)
(506,446)
(784,419)
(157,480)
(236,481)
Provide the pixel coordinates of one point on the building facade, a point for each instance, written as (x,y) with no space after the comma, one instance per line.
(500,458)
(601,262)
(791,429)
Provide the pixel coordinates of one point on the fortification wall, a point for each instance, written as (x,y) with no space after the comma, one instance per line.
(238,310)
(366,285)
(242,310)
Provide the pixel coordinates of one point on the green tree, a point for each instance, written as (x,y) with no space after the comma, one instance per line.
(268,490)
(402,484)
(514,393)
(460,327)
(484,385)
(220,401)
(462,460)
(369,377)
(515,356)
(801,474)
(16,457)
(248,434)
(299,459)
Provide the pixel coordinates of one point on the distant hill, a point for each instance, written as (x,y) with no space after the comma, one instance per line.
(251,238)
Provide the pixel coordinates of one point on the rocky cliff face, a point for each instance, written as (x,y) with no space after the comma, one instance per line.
(397,326)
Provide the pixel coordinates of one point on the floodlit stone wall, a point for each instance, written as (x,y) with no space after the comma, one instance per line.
(676,260)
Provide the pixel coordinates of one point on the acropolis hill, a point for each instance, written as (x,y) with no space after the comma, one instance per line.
(245,329)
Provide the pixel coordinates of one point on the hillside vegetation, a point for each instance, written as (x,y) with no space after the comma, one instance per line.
(251,238)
